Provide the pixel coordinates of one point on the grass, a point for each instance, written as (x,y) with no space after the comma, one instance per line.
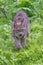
(32,54)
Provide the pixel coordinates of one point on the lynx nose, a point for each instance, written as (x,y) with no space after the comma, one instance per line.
(20,33)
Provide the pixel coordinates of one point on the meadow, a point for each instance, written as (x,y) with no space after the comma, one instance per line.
(32,54)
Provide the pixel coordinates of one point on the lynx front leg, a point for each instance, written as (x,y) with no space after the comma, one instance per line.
(23,41)
(17,43)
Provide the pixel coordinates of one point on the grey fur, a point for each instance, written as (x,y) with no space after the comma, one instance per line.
(20,33)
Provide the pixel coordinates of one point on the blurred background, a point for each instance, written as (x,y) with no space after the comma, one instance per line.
(32,54)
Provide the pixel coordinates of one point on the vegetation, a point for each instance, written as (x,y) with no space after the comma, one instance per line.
(32,54)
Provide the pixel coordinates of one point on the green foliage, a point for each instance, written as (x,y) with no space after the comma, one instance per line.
(32,54)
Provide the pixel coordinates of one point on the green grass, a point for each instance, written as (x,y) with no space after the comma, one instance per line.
(32,54)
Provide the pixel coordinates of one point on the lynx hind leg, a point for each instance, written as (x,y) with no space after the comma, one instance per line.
(17,43)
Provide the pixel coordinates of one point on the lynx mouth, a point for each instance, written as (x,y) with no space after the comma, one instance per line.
(18,23)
